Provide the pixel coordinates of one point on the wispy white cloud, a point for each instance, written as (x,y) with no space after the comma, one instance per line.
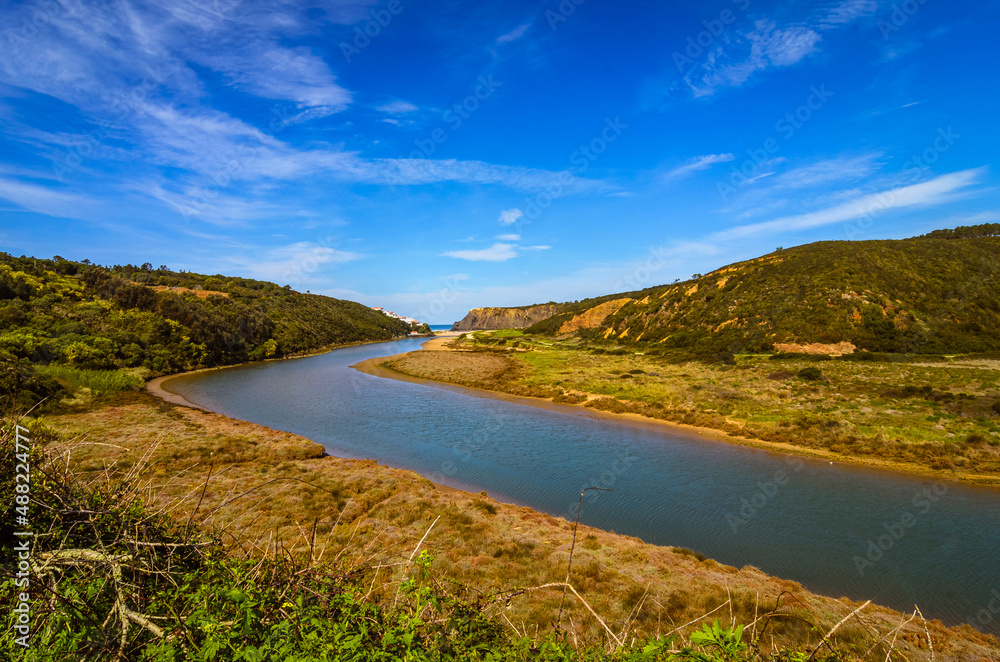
(293,263)
(698,163)
(514,34)
(273,72)
(848,11)
(510,216)
(763,47)
(939,190)
(220,209)
(45,200)
(780,184)
(397,107)
(431,171)
(840,169)
(137,71)
(736,56)
(308,114)
(499,252)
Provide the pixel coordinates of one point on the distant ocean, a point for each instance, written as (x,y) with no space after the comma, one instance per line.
(440,327)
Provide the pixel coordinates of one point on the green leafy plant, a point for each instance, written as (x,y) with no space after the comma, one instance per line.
(722,644)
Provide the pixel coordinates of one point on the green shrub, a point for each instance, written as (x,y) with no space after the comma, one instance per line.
(100,382)
(689,552)
(810,374)
(485,506)
(22,386)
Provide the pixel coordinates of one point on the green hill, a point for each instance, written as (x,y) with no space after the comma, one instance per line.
(104,327)
(932,294)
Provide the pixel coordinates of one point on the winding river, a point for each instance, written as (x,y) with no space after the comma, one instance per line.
(840,530)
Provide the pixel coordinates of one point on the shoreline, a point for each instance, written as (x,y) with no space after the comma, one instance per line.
(373,367)
(156,386)
(520,522)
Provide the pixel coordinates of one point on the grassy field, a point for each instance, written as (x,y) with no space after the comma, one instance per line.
(926,415)
(272,493)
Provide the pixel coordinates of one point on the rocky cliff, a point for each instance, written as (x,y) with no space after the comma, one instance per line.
(505,318)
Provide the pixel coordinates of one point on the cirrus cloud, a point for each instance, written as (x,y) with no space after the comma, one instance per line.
(498,252)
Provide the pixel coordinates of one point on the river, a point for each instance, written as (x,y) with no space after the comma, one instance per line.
(837,529)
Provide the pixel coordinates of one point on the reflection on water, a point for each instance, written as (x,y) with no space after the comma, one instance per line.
(838,530)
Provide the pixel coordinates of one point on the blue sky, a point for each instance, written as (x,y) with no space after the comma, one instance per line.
(431,157)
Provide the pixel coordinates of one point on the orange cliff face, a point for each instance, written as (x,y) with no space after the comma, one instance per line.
(480,319)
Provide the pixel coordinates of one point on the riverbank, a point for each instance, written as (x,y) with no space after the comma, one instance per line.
(156,386)
(266,489)
(786,414)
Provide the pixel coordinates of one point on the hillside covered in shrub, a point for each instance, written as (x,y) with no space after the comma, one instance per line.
(64,320)
(932,294)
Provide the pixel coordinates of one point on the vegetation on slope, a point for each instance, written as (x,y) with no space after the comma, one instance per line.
(939,293)
(147,322)
(360,575)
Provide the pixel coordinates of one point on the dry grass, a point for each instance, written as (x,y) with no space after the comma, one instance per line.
(461,367)
(267,486)
(201,294)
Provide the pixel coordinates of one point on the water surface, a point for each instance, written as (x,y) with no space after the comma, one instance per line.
(818,523)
